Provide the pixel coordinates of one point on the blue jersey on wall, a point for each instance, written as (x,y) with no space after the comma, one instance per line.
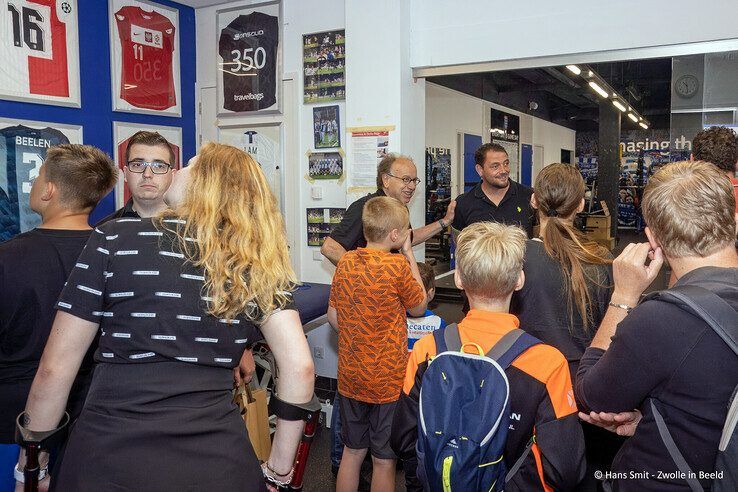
(22,151)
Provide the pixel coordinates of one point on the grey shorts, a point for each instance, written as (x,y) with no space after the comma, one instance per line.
(367,426)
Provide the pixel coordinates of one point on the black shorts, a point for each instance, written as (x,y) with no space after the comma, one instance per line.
(367,426)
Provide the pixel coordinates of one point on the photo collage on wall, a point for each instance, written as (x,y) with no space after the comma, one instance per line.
(144,57)
(321,222)
(249,59)
(324,66)
(23,147)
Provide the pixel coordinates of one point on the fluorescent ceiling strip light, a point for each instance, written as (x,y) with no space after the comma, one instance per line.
(574,69)
(644,126)
(633,117)
(599,90)
(619,105)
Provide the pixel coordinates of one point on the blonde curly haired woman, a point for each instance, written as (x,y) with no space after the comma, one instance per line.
(177,299)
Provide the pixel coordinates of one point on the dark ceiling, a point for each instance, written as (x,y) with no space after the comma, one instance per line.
(566,99)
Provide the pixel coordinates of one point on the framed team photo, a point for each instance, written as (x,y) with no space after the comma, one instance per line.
(326,127)
(39,50)
(144,57)
(122,132)
(249,59)
(325,165)
(324,66)
(24,145)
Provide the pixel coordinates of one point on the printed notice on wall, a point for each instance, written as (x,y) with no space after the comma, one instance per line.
(367,149)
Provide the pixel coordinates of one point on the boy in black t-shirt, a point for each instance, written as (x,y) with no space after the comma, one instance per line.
(34,267)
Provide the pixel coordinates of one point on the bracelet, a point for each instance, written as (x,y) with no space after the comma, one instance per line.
(274,481)
(20,477)
(627,308)
(442,223)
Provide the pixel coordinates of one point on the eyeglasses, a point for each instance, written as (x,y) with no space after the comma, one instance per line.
(405,180)
(157,167)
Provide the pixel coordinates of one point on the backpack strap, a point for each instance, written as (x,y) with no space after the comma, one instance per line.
(505,351)
(447,338)
(510,346)
(705,304)
(673,450)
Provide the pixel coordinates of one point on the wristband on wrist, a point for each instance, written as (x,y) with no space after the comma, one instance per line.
(627,308)
(269,476)
(19,477)
(442,223)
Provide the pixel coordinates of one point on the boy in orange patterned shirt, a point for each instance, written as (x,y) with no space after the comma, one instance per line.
(372,290)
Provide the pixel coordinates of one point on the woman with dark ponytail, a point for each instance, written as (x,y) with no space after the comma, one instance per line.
(568,284)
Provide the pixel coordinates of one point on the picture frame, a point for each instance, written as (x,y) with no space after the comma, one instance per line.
(326,127)
(248,59)
(324,66)
(325,165)
(42,69)
(122,131)
(145,58)
(29,141)
(264,143)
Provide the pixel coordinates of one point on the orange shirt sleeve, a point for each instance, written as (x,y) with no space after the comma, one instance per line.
(409,290)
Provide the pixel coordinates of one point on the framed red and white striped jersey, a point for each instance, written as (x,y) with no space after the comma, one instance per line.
(40,51)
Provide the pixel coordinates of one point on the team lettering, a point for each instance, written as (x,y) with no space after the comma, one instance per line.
(249,34)
(32,142)
(249,96)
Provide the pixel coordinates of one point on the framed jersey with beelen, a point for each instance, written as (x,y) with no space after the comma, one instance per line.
(249,59)
(23,146)
(39,49)
(144,57)
(122,132)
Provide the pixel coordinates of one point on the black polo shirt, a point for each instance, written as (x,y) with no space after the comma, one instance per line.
(350,232)
(514,209)
(125,211)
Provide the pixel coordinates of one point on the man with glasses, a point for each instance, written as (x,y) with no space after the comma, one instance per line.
(148,173)
(496,198)
(397,177)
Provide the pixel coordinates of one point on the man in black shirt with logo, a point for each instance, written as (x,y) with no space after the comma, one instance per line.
(34,267)
(496,198)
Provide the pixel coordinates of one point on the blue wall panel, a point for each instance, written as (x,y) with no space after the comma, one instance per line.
(96,115)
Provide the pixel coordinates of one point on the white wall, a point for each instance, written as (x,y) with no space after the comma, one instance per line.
(470,31)
(449,112)
(299,17)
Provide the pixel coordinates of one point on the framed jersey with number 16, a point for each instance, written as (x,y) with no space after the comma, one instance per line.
(39,49)
(249,61)
(144,57)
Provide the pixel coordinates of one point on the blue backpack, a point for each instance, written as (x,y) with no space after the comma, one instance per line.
(464,413)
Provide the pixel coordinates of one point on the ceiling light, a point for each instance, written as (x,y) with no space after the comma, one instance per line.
(599,90)
(574,69)
(633,117)
(644,126)
(619,105)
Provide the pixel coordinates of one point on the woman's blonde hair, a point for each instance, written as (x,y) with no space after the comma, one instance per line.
(234,231)
(559,191)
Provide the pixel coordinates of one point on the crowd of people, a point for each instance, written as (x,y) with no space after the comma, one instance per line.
(560,376)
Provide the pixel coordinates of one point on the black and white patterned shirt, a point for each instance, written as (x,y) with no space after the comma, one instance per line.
(132,279)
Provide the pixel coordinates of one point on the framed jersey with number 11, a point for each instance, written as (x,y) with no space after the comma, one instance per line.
(144,57)
(249,61)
